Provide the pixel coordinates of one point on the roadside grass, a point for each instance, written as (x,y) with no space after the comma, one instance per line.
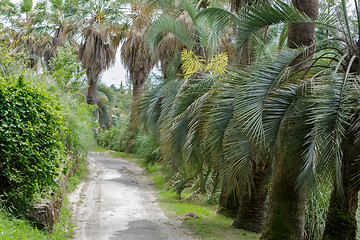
(99,149)
(209,225)
(130,157)
(12,228)
(78,176)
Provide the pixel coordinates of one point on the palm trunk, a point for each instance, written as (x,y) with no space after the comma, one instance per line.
(228,202)
(286,213)
(92,90)
(341,220)
(138,86)
(303,34)
(251,214)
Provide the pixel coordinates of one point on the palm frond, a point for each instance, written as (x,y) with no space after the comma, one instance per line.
(220,111)
(221,17)
(108,92)
(150,108)
(257,16)
(238,155)
(190,8)
(278,105)
(332,114)
(164,24)
(26,6)
(250,102)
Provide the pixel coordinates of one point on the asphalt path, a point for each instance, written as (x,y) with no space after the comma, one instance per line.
(117,202)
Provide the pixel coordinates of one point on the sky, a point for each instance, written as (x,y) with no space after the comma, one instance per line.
(116,74)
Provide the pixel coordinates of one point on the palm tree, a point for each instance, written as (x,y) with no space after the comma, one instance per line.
(136,57)
(105,104)
(244,105)
(284,196)
(25,15)
(102,34)
(60,20)
(329,113)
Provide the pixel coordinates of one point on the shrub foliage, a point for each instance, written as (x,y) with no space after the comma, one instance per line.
(30,142)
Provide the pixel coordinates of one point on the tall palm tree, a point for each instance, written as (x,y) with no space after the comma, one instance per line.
(25,15)
(136,56)
(284,196)
(102,34)
(59,19)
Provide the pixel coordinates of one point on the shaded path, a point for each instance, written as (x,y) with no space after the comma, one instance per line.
(116,202)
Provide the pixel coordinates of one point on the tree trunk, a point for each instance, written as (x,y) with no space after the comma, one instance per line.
(228,202)
(286,213)
(341,218)
(251,213)
(138,86)
(92,90)
(303,34)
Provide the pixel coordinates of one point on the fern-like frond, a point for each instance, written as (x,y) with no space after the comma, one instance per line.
(335,100)
(26,6)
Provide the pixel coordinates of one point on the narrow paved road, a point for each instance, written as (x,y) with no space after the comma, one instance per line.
(116,202)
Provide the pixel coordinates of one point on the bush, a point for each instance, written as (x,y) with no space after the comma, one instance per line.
(147,147)
(68,84)
(30,142)
(117,138)
(80,125)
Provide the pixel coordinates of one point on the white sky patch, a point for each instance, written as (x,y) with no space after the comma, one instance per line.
(116,74)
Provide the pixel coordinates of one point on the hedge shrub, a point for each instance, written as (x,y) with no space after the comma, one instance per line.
(30,143)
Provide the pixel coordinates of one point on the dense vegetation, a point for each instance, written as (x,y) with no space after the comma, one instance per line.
(256,108)
(46,128)
(31,122)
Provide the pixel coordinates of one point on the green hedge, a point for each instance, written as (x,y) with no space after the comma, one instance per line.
(30,143)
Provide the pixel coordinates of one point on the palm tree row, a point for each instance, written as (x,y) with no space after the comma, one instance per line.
(291,118)
(93,29)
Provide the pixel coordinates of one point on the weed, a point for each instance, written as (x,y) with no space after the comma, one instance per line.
(77,177)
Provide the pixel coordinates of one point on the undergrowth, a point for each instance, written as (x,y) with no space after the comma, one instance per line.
(12,228)
(78,176)
(209,225)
